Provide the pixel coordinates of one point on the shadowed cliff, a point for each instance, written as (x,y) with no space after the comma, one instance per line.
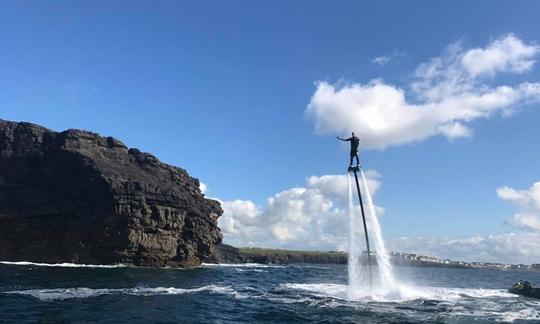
(75,196)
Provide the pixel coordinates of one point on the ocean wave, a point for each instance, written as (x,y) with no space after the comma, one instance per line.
(460,293)
(492,304)
(400,294)
(310,266)
(320,290)
(527,313)
(63,265)
(249,270)
(84,292)
(242,265)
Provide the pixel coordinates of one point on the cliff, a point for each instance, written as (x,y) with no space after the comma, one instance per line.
(75,196)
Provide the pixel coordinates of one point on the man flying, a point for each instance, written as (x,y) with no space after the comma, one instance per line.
(355,143)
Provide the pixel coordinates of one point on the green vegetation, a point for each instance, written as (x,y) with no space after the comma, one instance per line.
(265,251)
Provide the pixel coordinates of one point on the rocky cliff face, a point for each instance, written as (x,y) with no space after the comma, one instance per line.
(75,196)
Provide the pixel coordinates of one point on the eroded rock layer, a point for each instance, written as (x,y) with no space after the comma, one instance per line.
(75,196)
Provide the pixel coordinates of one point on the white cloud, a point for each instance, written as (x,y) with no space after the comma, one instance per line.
(385,59)
(335,186)
(203,187)
(530,221)
(505,248)
(448,95)
(506,54)
(528,202)
(315,217)
(381,60)
(311,217)
(240,218)
(455,130)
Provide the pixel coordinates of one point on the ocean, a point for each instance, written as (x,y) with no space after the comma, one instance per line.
(255,293)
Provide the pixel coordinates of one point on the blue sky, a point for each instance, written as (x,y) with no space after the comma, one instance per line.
(222,89)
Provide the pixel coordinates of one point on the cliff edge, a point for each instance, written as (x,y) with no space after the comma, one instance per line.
(75,196)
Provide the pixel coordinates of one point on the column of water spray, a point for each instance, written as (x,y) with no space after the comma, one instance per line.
(353,263)
(383,259)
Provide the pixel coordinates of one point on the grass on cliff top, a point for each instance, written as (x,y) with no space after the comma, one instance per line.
(264,251)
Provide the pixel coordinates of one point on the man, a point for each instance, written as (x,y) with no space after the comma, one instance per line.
(355,143)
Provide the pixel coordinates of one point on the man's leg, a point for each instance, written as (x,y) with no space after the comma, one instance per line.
(352,157)
(357,159)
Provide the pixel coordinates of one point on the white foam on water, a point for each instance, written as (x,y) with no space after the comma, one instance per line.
(492,304)
(63,265)
(249,270)
(84,292)
(321,290)
(241,265)
(527,313)
(310,266)
(286,300)
(343,292)
(404,293)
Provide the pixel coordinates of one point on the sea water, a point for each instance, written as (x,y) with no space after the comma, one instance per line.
(254,293)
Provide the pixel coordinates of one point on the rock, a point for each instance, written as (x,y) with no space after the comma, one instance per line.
(78,197)
(525,288)
(224,253)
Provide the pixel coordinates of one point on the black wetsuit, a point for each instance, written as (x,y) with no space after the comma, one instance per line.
(355,143)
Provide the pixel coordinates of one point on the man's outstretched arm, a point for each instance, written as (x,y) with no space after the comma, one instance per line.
(344,139)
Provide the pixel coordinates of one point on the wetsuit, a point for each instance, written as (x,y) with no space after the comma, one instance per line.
(355,143)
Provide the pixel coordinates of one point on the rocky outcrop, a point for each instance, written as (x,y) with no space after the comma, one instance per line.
(224,253)
(75,196)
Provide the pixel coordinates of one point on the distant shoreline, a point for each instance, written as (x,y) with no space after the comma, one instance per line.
(229,254)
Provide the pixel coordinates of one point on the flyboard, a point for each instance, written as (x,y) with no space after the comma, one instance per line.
(355,170)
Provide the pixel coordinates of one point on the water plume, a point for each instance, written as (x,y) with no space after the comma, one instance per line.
(384,266)
(355,250)
(384,281)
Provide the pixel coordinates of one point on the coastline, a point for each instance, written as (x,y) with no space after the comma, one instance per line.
(230,254)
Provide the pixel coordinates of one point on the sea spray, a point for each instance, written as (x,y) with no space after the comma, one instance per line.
(383,259)
(353,263)
(385,287)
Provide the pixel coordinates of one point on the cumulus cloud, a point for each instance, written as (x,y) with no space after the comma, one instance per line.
(506,248)
(455,130)
(507,54)
(315,217)
(509,247)
(241,219)
(448,93)
(203,187)
(528,204)
(310,217)
(335,186)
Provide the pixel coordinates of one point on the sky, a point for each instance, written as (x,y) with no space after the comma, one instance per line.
(249,96)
